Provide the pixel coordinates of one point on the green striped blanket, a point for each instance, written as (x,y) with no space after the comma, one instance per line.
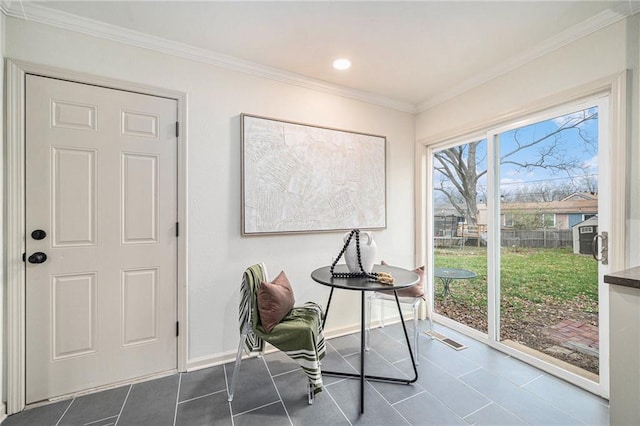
(299,334)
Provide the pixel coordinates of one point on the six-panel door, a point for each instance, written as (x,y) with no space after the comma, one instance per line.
(101,190)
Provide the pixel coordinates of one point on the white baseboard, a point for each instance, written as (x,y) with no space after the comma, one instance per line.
(210,360)
(230,356)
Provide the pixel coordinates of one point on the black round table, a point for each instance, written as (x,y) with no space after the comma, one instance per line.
(402,279)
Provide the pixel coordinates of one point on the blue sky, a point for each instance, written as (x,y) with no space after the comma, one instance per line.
(569,144)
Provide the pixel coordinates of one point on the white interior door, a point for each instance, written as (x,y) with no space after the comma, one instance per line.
(101,205)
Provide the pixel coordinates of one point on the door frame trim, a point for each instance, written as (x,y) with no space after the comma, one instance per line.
(14,226)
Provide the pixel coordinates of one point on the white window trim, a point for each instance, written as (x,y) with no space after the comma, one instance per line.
(544,220)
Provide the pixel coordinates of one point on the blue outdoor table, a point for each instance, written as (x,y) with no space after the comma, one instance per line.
(447,275)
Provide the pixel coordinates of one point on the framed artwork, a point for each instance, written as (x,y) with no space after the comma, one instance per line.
(304,178)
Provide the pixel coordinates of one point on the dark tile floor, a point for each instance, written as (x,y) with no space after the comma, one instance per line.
(477,385)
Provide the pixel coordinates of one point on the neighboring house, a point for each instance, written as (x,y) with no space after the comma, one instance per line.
(561,215)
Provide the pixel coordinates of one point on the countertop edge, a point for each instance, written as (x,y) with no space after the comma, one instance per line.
(626,278)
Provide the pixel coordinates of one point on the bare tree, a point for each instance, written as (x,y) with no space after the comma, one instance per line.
(543,192)
(460,172)
(459,178)
(588,183)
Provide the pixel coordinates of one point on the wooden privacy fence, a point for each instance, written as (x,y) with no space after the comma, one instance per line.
(543,238)
(476,236)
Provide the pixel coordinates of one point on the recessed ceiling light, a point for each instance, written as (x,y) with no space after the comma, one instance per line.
(342,64)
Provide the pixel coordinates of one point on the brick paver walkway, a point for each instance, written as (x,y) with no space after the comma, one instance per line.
(576,335)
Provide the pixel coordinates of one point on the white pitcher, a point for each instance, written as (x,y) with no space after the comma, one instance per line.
(368,250)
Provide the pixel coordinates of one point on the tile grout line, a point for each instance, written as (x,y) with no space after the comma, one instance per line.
(123,404)
(65,411)
(426,391)
(387,401)
(338,352)
(99,420)
(423,391)
(277,391)
(491,402)
(175,411)
(201,396)
(344,358)
(338,406)
(339,381)
(530,381)
(532,395)
(467,373)
(392,364)
(551,404)
(495,403)
(285,373)
(257,408)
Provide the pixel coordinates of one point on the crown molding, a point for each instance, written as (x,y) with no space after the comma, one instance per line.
(578,31)
(44,15)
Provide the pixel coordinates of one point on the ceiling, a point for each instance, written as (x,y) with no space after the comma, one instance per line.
(415,54)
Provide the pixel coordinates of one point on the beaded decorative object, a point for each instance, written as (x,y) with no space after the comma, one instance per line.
(373,276)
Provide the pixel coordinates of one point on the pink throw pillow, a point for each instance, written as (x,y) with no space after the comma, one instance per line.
(275,300)
(416,290)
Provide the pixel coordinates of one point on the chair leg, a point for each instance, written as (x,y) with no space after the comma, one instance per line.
(415,332)
(367,331)
(430,315)
(236,368)
(311,395)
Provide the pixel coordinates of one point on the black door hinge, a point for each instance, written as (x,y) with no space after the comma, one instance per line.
(177,129)
(177,328)
(24,257)
(177,229)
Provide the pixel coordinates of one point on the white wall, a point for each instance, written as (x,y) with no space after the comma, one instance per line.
(217,253)
(595,56)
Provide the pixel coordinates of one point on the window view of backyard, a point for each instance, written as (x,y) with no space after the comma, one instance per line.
(536,305)
(547,200)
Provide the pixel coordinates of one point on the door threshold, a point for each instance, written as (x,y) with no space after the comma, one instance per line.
(96,389)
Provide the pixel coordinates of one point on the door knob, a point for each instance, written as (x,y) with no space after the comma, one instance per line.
(38,234)
(38,257)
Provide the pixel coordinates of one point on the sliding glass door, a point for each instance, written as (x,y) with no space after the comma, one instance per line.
(517,214)
(547,216)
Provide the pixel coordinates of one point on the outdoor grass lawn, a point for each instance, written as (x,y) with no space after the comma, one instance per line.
(532,275)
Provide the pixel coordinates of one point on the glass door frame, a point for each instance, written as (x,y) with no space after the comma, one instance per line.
(612,148)
(600,101)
